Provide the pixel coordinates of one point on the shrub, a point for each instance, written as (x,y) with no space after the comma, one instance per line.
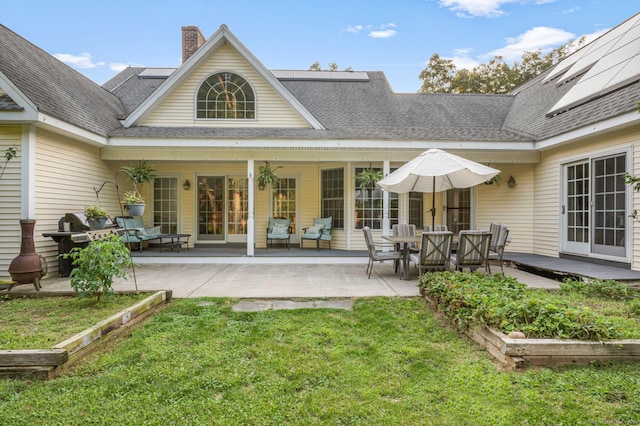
(600,288)
(506,304)
(97,265)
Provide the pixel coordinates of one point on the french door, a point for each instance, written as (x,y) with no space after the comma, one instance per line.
(284,203)
(594,209)
(222,209)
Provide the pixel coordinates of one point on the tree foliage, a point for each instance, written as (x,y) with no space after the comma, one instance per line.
(442,76)
(332,67)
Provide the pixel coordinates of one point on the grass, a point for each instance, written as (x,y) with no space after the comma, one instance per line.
(40,323)
(387,362)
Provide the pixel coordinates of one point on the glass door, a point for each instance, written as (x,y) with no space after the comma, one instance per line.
(284,203)
(210,209)
(458,210)
(237,208)
(609,206)
(576,208)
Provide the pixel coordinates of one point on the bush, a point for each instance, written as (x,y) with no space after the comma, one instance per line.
(508,305)
(97,265)
(600,288)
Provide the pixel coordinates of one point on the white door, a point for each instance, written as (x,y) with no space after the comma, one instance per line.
(575,208)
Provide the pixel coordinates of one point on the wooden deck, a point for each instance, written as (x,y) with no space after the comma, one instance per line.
(560,268)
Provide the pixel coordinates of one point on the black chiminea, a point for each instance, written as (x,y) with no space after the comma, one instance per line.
(27,267)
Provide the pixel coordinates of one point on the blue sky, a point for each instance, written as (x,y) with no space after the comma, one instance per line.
(395,36)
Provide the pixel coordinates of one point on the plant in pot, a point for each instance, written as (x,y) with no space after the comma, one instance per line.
(133,202)
(96,216)
(267,176)
(140,173)
(368,178)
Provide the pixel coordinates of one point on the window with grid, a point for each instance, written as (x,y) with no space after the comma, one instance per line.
(332,199)
(283,201)
(368,205)
(238,205)
(225,95)
(416,201)
(165,204)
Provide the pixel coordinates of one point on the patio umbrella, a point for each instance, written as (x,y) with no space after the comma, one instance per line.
(435,171)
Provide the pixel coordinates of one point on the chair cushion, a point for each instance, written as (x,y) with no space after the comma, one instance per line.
(279,230)
(326,223)
(315,229)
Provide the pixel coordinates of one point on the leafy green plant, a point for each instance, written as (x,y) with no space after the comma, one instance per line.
(504,303)
(267,176)
(97,265)
(610,289)
(95,211)
(368,178)
(132,197)
(9,155)
(141,173)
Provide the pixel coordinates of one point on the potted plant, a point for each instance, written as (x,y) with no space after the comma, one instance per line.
(96,216)
(496,179)
(133,202)
(267,176)
(369,177)
(141,173)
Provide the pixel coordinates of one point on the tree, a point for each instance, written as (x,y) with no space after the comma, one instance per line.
(496,76)
(9,155)
(332,67)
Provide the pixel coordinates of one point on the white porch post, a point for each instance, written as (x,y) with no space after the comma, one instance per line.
(251,234)
(386,228)
(28,154)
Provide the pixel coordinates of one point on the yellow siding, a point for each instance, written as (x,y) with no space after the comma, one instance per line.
(179,107)
(547,188)
(511,206)
(66,174)
(10,199)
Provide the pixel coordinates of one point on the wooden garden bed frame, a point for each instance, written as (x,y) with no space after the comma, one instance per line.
(45,364)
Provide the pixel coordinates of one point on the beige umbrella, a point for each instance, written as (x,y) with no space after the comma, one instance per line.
(435,171)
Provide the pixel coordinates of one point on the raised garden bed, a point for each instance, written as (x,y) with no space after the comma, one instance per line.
(46,364)
(520,353)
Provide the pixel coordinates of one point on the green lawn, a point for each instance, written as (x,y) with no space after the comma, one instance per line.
(387,362)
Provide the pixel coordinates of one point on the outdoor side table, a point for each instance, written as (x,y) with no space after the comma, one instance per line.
(176,241)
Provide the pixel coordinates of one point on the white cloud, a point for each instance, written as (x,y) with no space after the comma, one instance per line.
(382,34)
(486,8)
(543,38)
(462,59)
(354,28)
(82,61)
(383,31)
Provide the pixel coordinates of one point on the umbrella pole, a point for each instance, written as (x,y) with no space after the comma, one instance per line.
(433,205)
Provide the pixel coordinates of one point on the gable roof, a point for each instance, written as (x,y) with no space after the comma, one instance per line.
(218,39)
(56,89)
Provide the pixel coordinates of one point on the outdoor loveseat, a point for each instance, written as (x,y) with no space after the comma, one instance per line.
(134,230)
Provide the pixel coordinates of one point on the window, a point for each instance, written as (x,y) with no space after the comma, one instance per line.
(332,198)
(283,201)
(225,95)
(368,208)
(238,205)
(165,204)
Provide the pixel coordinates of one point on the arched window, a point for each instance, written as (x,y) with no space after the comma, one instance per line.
(226,95)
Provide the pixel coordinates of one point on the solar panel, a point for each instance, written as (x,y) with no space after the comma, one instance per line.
(156,72)
(611,62)
(321,75)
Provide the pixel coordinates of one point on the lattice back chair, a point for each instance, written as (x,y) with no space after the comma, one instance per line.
(404,230)
(499,240)
(435,251)
(473,250)
(377,255)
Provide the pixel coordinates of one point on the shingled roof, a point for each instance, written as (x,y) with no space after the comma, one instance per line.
(56,89)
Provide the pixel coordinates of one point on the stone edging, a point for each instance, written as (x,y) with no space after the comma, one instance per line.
(47,363)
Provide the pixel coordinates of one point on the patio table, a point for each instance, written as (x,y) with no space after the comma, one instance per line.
(404,241)
(177,240)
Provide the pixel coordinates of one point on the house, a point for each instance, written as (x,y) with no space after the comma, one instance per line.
(563,141)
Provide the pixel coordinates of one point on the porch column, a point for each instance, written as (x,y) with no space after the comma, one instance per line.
(28,158)
(251,234)
(386,228)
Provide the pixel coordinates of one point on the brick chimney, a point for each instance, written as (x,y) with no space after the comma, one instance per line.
(192,39)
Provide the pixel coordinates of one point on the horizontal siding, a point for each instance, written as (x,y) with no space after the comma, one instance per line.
(547,189)
(511,206)
(10,196)
(179,107)
(66,174)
